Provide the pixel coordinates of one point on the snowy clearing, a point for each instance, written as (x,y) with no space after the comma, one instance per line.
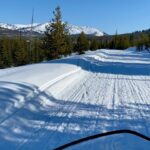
(46,105)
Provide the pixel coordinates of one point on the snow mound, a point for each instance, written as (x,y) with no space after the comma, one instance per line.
(49,104)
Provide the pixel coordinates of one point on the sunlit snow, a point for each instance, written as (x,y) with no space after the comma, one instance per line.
(49,104)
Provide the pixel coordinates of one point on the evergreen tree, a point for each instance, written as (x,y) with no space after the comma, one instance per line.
(37,53)
(6,52)
(82,43)
(132,40)
(148,43)
(56,37)
(142,42)
(1,63)
(115,40)
(20,52)
(16,52)
(94,45)
(1,59)
(123,43)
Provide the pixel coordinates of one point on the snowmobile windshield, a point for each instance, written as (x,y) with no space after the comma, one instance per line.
(113,140)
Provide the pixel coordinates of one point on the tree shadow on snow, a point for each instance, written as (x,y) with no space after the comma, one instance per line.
(97,66)
(41,121)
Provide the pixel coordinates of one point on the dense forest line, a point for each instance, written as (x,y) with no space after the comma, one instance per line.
(57,43)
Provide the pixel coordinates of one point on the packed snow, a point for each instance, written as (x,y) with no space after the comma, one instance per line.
(41,28)
(46,105)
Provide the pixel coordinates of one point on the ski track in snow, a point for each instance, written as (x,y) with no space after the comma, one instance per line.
(32,95)
(66,105)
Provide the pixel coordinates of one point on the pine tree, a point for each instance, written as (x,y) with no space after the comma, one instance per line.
(123,43)
(147,46)
(82,43)
(115,40)
(37,54)
(1,63)
(132,40)
(6,54)
(56,37)
(94,45)
(142,42)
(20,52)
(1,59)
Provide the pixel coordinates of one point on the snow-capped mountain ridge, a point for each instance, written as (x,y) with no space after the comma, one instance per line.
(40,28)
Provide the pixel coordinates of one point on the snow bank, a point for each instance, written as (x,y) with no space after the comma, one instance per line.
(49,104)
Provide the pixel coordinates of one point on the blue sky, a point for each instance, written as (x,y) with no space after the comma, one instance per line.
(107,15)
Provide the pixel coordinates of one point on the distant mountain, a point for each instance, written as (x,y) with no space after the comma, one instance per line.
(40,28)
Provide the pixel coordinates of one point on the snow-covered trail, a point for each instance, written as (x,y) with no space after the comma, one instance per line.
(61,101)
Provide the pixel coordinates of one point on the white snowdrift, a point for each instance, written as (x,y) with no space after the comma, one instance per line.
(49,104)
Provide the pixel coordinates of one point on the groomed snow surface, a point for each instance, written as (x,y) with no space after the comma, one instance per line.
(46,105)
